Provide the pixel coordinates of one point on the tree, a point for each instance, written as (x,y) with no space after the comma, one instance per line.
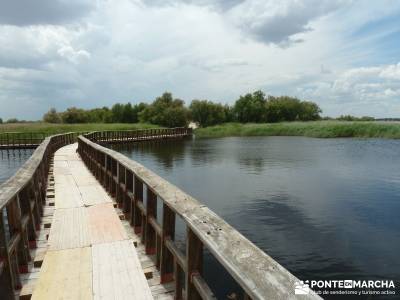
(74,115)
(99,115)
(309,111)
(251,107)
(52,116)
(229,113)
(117,111)
(285,108)
(165,111)
(136,110)
(207,113)
(12,120)
(1,121)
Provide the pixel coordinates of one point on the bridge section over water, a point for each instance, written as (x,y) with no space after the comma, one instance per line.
(89,215)
(89,253)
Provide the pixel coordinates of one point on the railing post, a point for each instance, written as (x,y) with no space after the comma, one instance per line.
(128,199)
(7,283)
(136,217)
(22,249)
(120,180)
(194,263)
(151,212)
(168,232)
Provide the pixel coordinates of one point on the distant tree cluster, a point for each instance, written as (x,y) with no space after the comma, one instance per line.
(258,108)
(353,118)
(171,112)
(13,120)
(254,108)
(166,111)
(119,113)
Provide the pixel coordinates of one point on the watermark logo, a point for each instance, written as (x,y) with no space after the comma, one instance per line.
(345,287)
(302,288)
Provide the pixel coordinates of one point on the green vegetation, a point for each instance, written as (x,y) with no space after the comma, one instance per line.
(257,108)
(119,113)
(353,118)
(207,113)
(171,112)
(320,129)
(166,111)
(49,129)
(254,108)
(253,114)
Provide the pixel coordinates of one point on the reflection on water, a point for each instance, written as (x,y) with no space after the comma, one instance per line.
(324,209)
(11,160)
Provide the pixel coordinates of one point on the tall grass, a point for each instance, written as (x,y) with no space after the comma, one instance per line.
(320,129)
(50,129)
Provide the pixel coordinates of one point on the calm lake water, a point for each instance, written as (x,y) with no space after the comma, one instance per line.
(11,160)
(323,208)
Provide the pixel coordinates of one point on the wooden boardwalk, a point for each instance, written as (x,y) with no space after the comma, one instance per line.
(89,255)
(63,236)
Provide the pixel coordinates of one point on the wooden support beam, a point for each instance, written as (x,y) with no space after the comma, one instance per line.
(151,212)
(136,216)
(168,233)
(194,263)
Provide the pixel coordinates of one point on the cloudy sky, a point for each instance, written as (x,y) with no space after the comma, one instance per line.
(342,54)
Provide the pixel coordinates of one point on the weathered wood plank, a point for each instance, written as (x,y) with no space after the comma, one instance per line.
(68,197)
(117,273)
(65,274)
(104,224)
(93,194)
(69,229)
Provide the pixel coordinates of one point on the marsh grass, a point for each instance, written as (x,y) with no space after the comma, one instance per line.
(319,129)
(49,129)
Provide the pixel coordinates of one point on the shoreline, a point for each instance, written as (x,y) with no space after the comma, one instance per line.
(315,129)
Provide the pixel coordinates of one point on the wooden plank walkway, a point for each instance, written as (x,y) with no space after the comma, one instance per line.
(90,255)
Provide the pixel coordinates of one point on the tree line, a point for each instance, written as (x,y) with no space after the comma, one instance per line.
(171,112)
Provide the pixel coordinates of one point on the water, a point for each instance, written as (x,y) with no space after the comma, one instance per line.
(11,161)
(323,208)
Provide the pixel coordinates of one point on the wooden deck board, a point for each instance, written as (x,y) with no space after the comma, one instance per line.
(64,180)
(104,224)
(89,253)
(117,273)
(93,194)
(65,274)
(69,229)
(68,197)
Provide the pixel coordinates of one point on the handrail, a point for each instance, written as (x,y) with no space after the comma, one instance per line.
(11,140)
(22,198)
(127,136)
(260,276)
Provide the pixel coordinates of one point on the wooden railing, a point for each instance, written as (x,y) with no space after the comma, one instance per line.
(10,140)
(127,136)
(21,206)
(137,191)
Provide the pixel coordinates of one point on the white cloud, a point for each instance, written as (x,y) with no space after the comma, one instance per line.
(359,91)
(207,49)
(278,21)
(391,72)
(72,55)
